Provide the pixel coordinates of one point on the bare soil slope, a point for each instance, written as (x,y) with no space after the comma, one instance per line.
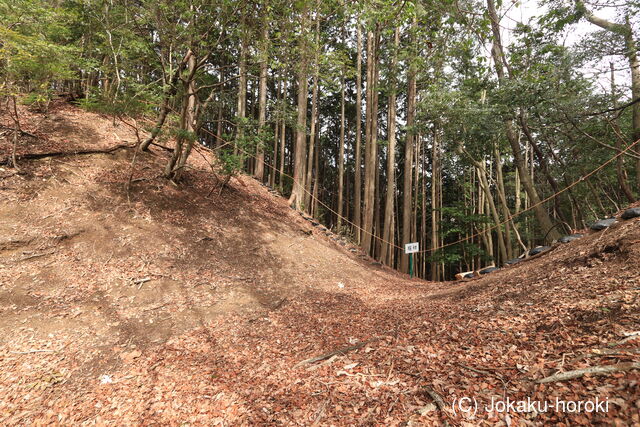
(179,306)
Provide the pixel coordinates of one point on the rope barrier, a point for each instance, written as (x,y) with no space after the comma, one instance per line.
(511,217)
(434,249)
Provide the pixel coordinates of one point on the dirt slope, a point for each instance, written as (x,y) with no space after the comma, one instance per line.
(180,306)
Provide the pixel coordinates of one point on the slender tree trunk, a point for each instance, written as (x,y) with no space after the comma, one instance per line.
(620,172)
(631,52)
(503,202)
(634,62)
(169,92)
(357,182)
(341,156)
(316,166)
(314,110)
(242,93)
(274,154)
(435,226)
(408,159)
(300,151)
(262,114)
(388,234)
(544,164)
(424,237)
(188,120)
(499,60)
(371,148)
(482,173)
(283,138)
(276,137)
(419,154)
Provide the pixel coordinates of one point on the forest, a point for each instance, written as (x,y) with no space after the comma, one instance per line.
(285,213)
(468,126)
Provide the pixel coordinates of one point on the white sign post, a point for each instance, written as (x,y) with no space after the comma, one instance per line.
(410,249)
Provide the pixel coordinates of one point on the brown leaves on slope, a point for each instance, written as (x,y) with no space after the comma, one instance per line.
(241,290)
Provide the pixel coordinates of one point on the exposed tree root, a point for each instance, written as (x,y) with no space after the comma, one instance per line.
(34,156)
(594,370)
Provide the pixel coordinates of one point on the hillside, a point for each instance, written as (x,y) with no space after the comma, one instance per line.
(193,306)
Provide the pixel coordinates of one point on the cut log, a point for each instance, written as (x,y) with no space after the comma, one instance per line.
(465,275)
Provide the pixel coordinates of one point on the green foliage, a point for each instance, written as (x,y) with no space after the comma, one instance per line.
(124,106)
(231,163)
(38,101)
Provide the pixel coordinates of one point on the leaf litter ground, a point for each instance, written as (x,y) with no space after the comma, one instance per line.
(169,307)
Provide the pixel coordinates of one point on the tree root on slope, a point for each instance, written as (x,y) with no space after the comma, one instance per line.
(7,160)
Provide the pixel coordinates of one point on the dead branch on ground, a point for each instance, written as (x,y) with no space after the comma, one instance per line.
(594,370)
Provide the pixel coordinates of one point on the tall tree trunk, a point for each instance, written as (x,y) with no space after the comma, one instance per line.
(341,156)
(357,182)
(503,203)
(500,61)
(262,114)
(371,148)
(242,93)
(388,234)
(408,158)
(314,111)
(544,164)
(435,226)
(419,154)
(187,124)
(620,172)
(316,166)
(424,237)
(300,150)
(482,172)
(276,136)
(283,137)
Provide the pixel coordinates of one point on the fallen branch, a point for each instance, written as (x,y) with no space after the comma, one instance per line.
(337,352)
(155,144)
(436,398)
(157,307)
(141,282)
(439,401)
(33,351)
(21,131)
(608,352)
(480,371)
(630,336)
(320,413)
(33,156)
(44,350)
(279,304)
(594,370)
(9,175)
(36,255)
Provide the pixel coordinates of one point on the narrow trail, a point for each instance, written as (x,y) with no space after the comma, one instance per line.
(176,308)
